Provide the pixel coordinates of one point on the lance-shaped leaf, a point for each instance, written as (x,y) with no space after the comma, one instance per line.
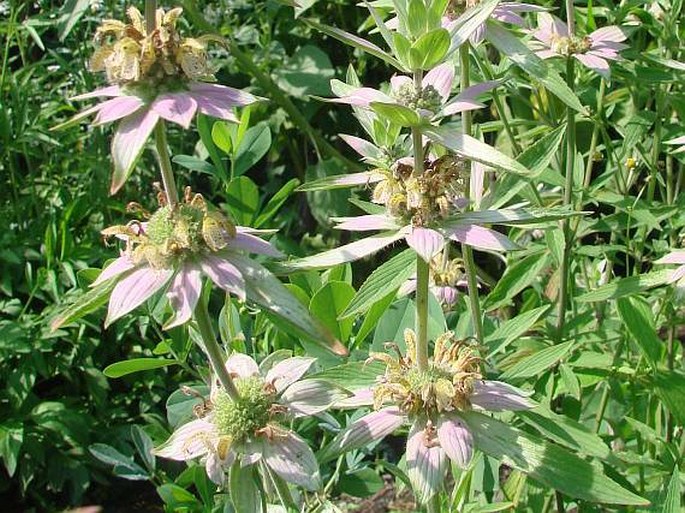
(347,253)
(511,47)
(469,22)
(547,463)
(626,286)
(86,303)
(356,42)
(512,217)
(266,291)
(473,149)
(340,181)
(244,492)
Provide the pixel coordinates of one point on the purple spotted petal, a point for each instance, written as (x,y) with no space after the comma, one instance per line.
(117,108)
(128,143)
(240,365)
(426,462)
(116,268)
(114,90)
(441,78)
(597,64)
(370,428)
(292,459)
(426,242)
(224,274)
(455,439)
(132,291)
(499,396)
(366,223)
(252,244)
(183,294)
(310,396)
(288,371)
(189,441)
(178,108)
(481,238)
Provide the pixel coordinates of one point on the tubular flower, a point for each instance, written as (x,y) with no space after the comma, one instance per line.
(152,76)
(422,209)
(445,276)
(175,247)
(251,429)
(432,100)
(431,402)
(593,51)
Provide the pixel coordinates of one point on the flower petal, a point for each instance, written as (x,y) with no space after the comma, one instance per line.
(128,142)
(241,366)
(116,268)
(426,242)
(479,237)
(362,146)
(222,94)
(288,371)
(674,257)
(183,294)
(134,290)
(499,396)
(117,108)
(189,441)
(426,462)
(224,274)
(178,108)
(310,396)
(113,90)
(292,459)
(363,96)
(455,439)
(612,34)
(595,63)
(366,223)
(216,466)
(363,397)
(441,78)
(247,242)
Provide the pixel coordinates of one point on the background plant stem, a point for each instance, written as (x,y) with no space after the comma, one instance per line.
(165,169)
(215,354)
(466,251)
(150,16)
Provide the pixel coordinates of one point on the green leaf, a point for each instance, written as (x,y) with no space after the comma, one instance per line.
(351,376)
(339,181)
(222,135)
(626,286)
(327,305)
(72,12)
(245,495)
(416,18)
(144,446)
(538,156)
(372,317)
(276,202)
(253,146)
(398,114)
(473,149)
(468,22)
(538,362)
(307,72)
(243,199)
(547,463)
(516,278)
(11,439)
(125,367)
(430,49)
(360,482)
(512,48)
(356,42)
(179,405)
(382,281)
(196,164)
(124,466)
(176,497)
(638,319)
(673,501)
(86,303)
(512,329)
(669,386)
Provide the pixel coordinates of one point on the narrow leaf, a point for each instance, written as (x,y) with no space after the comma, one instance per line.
(123,368)
(626,286)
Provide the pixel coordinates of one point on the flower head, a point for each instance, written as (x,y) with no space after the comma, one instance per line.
(445,276)
(252,428)
(593,51)
(431,401)
(175,247)
(152,76)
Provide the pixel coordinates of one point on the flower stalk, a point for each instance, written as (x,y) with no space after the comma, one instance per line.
(467,252)
(150,15)
(214,352)
(164,159)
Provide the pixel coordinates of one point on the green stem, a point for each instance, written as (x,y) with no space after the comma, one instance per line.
(150,16)
(433,505)
(422,268)
(165,164)
(568,199)
(215,354)
(466,251)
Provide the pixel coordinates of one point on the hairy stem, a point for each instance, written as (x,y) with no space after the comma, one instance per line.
(165,164)
(214,352)
(422,270)
(150,16)
(568,200)
(466,251)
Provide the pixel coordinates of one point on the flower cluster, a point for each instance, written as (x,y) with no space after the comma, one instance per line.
(446,275)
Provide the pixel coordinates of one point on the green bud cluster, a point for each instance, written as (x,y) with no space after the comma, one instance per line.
(240,419)
(427,98)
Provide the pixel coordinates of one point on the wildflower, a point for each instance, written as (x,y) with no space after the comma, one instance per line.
(152,76)
(430,101)
(678,141)
(676,276)
(593,50)
(445,276)
(175,247)
(422,209)
(431,401)
(252,428)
